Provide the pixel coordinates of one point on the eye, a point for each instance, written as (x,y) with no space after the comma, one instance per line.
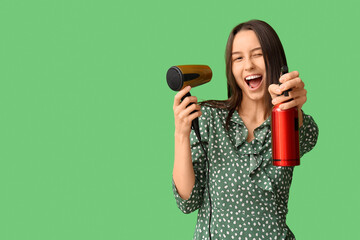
(238,58)
(257,55)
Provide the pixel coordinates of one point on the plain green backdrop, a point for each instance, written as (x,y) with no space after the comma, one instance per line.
(86,121)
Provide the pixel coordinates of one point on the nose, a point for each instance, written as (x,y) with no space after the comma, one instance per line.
(249,65)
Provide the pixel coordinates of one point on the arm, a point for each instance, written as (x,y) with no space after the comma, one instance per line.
(308,134)
(188,190)
(194,199)
(183,172)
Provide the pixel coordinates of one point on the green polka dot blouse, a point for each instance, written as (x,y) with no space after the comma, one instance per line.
(249,195)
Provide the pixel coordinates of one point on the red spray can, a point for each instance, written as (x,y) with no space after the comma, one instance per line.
(285,134)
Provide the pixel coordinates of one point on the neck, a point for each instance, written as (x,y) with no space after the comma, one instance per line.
(253,111)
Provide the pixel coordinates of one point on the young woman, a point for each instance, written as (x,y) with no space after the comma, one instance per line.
(248,195)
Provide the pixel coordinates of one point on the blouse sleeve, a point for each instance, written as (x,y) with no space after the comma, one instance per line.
(308,134)
(198,158)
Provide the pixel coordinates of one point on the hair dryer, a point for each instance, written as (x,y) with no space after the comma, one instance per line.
(178,77)
(285,134)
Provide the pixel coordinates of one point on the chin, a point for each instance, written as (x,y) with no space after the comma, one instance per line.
(255,96)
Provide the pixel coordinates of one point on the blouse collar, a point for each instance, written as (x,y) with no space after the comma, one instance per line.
(260,132)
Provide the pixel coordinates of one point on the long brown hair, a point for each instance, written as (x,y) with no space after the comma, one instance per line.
(274,57)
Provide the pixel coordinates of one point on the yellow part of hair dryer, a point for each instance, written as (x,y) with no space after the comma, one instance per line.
(178,77)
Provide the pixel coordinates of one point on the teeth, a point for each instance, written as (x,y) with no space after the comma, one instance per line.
(252,77)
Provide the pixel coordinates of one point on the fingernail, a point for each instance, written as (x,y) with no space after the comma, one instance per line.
(282,87)
(278,90)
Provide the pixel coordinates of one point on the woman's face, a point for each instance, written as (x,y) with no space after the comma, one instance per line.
(248,65)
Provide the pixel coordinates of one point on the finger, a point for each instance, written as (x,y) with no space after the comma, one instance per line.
(188,119)
(291,84)
(274,90)
(292,95)
(186,112)
(180,94)
(187,101)
(280,99)
(194,115)
(297,102)
(288,76)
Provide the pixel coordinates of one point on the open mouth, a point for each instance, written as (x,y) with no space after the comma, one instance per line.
(253,81)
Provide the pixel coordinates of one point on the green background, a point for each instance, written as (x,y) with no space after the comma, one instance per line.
(86,121)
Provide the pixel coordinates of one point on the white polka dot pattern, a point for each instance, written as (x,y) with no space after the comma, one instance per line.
(249,195)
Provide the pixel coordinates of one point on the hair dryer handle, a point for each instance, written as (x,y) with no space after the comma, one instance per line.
(195,122)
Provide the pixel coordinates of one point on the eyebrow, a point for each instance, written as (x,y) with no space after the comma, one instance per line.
(252,50)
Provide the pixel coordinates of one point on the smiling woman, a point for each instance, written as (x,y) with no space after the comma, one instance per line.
(240,194)
(248,66)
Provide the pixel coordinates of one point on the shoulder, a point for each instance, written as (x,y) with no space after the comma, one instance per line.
(210,112)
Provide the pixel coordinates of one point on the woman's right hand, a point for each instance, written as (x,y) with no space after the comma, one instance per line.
(183,112)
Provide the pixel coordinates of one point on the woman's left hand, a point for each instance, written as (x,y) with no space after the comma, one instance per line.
(297,94)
